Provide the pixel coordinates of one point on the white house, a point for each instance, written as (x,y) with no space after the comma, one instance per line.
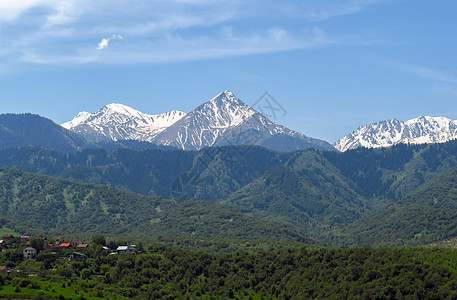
(29,252)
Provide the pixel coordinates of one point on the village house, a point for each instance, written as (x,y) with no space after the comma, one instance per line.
(8,238)
(65,245)
(122,249)
(29,252)
(4,270)
(75,243)
(82,246)
(57,242)
(47,246)
(125,249)
(76,256)
(24,238)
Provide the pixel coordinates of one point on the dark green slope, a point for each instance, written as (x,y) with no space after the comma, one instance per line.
(27,129)
(382,175)
(148,172)
(54,204)
(302,192)
(429,214)
(393,172)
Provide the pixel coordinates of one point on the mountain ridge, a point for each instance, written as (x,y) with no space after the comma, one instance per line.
(223,120)
(420,130)
(116,121)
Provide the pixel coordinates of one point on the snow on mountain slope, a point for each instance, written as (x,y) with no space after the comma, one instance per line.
(387,133)
(120,122)
(226,120)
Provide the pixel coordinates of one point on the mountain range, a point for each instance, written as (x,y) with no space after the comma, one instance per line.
(391,184)
(356,197)
(224,120)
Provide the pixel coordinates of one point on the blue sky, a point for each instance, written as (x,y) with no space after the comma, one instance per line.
(333,65)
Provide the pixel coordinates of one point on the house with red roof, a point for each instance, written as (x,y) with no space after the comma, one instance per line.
(47,246)
(75,243)
(24,238)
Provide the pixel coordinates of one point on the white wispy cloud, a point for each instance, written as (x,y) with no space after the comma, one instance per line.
(104,43)
(176,48)
(69,31)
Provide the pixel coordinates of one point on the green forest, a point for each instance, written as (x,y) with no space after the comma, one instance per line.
(162,272)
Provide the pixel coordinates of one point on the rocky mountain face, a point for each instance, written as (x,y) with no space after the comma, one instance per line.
(421,130)
(120,122)
(224,120)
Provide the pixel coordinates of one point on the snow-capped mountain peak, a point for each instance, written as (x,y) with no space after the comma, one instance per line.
(123,110)
(80,118)
(420,130)
(223,120)
(224,110)
(120,122)
(226,120)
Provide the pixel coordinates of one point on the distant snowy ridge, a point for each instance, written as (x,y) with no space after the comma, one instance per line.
(421,130)
(120,122)
(224,120)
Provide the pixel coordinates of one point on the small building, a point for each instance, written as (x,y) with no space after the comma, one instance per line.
(122,249)
(65,245)
(82,246)
(57,242)
(125,249)
(24,238)
(76,256)
(4,270)
(8,238)
(29,252)
(75,243)
(47,246)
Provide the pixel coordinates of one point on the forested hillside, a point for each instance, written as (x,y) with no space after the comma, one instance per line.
(55,205)
(322,194)
(427,215)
